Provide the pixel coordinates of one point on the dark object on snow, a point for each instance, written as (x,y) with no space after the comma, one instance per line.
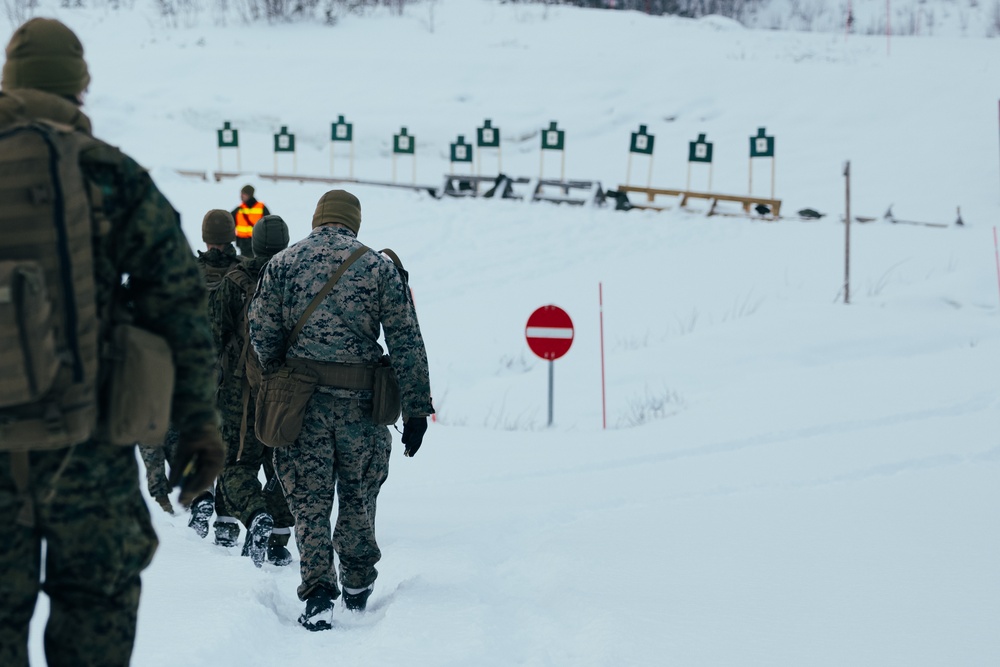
(621,200)
(810,214)
(889,216)
(762,209)
(502,186)
(959,221)
(319,612)
(357,601)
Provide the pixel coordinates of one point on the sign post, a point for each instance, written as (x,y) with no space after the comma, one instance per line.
(404,144)
(488,138)
(461,153)
(847,241)
(761,146)
(342,131)
(550,335)
(284,142)
(229,137)
(642,144)
(553,139)
(700,151)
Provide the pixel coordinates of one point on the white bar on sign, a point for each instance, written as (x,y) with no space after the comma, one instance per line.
(548,332)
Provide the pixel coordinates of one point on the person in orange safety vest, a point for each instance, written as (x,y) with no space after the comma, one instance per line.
(246,215)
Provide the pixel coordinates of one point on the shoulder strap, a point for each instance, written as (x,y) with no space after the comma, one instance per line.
(318,299)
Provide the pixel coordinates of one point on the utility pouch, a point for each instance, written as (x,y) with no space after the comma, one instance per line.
(282,401)
(141,387)
(386,404)
(28,361)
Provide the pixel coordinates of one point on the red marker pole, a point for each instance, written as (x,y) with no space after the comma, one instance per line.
(604,405)
(996,253)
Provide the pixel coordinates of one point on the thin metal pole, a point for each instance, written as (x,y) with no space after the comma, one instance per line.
(551,381)
(847,244)
(750,188)
(220,159)
(332,144)
(649,178)
(239,161)
(996,252)
(352,159)
(774,161)
(628,170)
(604,403)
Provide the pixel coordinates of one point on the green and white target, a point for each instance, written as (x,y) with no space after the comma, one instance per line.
(488,139)
(700,152)
(341,132)
(406,145)
(762,146)
(228,137)
(642,144)
(284,142)
(553,139)
(461,151)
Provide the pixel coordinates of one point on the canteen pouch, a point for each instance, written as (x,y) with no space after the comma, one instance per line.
(141,387)
(281,405)
(386,404)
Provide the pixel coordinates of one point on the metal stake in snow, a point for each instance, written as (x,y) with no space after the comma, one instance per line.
(229,137)
(996,253)
(342,131)
(604,403)
(847,244)
(550,335)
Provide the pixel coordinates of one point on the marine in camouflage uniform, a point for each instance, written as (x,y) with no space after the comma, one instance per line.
(218,232)
(87,505)
(340,450)
(262,510)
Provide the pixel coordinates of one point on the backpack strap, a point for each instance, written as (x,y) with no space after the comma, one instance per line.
(318,299)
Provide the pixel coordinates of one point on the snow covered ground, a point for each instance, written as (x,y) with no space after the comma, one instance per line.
(785,480)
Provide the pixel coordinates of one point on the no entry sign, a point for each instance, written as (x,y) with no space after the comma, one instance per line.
(549,332)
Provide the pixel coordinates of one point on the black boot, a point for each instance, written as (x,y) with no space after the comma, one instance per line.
(227,533)
(319,611)
(258,533)
(277,554)
(357,600)
(201,511)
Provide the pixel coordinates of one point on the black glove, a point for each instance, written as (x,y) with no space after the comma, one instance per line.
(413,434)
(200,458)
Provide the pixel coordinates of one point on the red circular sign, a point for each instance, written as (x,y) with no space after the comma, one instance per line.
(549,332)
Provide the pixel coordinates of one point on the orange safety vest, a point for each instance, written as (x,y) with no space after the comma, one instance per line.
(246,218)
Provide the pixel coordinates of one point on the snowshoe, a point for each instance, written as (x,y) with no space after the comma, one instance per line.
(357,599)
(164,502)
(258,533)
(227,533)
(319,612)
(201,512)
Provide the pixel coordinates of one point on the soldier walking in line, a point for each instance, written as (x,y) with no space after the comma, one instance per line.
(76,216)
(264,512)
(341,450)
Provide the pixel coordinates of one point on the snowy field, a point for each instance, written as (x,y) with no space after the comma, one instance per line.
(785,480)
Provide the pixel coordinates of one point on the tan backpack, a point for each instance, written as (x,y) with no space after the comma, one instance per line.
(50,330)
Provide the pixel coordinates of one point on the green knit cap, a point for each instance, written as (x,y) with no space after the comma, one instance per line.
(340,207)
(218,227)
(45,55)
(270,236)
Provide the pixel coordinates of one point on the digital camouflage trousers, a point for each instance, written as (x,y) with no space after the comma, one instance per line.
(97,538)
(340,452)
